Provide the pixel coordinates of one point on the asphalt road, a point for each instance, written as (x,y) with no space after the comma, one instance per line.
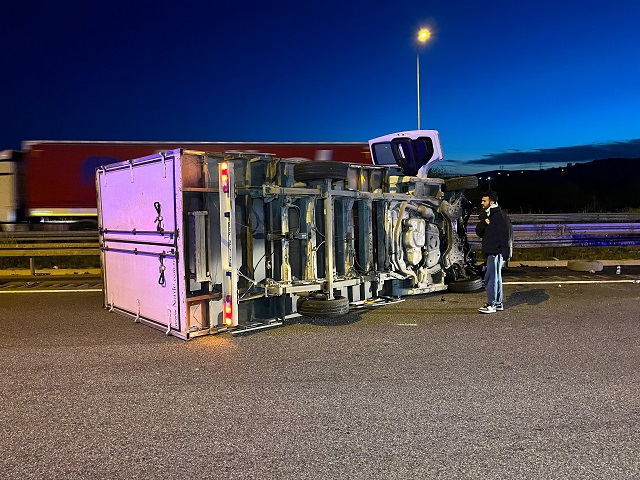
(426,388)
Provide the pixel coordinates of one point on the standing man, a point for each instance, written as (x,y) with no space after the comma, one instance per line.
(494,231)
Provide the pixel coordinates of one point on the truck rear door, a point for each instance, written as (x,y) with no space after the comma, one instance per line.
(140,215)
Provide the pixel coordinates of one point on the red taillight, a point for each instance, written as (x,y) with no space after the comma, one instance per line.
(224,177)
(228,311)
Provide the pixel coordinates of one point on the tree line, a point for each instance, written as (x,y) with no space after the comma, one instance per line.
(608,185)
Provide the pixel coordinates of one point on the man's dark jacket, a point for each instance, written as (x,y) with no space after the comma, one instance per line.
(495,235)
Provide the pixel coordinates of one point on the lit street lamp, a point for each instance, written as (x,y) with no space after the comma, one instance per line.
(423,36)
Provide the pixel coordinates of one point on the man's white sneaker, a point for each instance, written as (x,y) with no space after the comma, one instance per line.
(499,307)
(486,308)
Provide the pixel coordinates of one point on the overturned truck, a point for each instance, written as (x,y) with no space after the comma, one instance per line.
(197,243)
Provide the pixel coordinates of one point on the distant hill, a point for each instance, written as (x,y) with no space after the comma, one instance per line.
(608,185)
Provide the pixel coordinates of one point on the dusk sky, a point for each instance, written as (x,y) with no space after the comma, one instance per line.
(511,83)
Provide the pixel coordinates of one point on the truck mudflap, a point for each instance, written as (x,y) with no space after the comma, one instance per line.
(200,243)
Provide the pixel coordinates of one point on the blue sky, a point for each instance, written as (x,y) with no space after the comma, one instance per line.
(507,83)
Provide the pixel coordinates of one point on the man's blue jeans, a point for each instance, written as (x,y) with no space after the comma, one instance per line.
(493,279)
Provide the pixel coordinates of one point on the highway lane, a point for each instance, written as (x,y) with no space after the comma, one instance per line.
(425,388)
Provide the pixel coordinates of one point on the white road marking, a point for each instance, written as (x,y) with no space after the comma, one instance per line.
(553,282)
(533,282)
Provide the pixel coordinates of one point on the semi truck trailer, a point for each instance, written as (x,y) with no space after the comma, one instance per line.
(50,184)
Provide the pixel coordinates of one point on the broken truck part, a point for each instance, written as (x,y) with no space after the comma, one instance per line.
(197,243)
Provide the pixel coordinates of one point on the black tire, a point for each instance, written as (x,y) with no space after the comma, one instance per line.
(585,265)
(461,183)
(317,307)
(320,170)
(464,285)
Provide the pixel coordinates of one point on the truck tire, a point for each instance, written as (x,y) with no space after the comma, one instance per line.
(461,183)
(316,307)
(320,170)
(585,265)
(464,285)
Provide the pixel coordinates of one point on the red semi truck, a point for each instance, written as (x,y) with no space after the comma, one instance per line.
(53,181)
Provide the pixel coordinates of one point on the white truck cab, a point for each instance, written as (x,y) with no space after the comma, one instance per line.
(413,151)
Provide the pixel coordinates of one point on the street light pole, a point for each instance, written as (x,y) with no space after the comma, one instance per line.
(418,82)
(423,36)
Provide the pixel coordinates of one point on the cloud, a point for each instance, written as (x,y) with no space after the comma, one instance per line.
(560,155)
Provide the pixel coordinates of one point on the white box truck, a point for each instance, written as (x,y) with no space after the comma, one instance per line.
(198,243)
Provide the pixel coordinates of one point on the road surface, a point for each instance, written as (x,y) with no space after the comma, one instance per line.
(426,388)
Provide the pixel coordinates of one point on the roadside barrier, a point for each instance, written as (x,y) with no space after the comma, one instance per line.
(48,244)
(530,231)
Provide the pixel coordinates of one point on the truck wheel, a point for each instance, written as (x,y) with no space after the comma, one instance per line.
(320,170)
(461,183)
(585,266)
(315,307)
(464,285)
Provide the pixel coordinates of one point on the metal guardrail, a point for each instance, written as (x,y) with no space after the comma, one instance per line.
(551,218)
(530,231)
(570,230)
(48,244)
